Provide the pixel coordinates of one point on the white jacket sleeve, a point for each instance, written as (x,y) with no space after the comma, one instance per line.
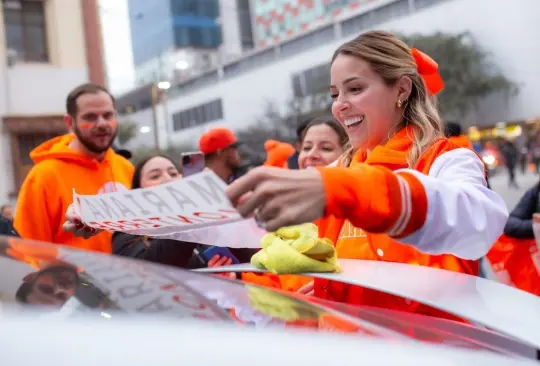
(464,217)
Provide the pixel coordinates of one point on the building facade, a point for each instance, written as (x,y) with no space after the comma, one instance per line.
(46,49)
(276,21)
(236,28)
(235,94)
(171,37)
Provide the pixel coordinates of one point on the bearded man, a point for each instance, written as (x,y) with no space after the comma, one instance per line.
(82,160)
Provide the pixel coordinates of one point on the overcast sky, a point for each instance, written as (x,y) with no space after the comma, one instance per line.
(117,45)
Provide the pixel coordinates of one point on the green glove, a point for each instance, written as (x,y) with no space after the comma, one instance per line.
(296,249)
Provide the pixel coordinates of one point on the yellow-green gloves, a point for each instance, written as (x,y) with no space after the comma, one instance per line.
(296,249)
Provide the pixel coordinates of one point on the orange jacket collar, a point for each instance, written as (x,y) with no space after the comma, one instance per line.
(394,153)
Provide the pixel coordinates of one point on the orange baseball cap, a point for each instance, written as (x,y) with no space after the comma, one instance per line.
(217,139)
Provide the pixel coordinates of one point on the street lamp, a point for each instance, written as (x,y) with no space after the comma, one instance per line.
(182,65)
(145,129)
(164,85)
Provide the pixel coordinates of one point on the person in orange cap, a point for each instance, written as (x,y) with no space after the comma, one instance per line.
(277,153)
(220,148)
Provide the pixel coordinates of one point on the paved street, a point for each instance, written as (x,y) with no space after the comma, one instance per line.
(499,183)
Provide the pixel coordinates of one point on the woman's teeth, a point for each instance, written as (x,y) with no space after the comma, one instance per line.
(353,121)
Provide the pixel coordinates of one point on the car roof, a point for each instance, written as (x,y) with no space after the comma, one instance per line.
(140,343)
(486,302)
(110,286)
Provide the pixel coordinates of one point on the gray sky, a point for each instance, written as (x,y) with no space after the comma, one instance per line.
(117,45)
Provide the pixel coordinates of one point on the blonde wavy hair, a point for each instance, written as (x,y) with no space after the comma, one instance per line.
(391,58)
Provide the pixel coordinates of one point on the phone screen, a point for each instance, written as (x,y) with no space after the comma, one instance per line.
(192,163)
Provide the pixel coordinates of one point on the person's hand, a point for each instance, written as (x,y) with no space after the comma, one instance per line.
(307,289)
(218,261)
(279,197)
(74,224)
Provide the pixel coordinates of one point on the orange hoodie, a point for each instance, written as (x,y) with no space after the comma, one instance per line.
(48,191)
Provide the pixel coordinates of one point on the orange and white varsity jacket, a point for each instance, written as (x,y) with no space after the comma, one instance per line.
(438,214)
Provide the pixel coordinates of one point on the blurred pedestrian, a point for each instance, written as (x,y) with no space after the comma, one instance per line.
(7,212)
(510,155)
(454,133)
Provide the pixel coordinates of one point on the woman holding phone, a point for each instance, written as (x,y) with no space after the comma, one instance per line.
(153,171)
(150,172)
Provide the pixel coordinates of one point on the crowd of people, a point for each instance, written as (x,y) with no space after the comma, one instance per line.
(381,177)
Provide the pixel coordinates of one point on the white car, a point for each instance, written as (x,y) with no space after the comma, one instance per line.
(62,306)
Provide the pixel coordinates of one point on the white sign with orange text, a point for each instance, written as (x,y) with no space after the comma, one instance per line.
(196,205)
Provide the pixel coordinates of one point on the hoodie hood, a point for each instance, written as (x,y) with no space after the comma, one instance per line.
(277,153)
(58,149)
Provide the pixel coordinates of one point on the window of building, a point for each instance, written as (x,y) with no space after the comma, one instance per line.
(200,37)
(26,34)
(199,8)
(196,116)
(311,81)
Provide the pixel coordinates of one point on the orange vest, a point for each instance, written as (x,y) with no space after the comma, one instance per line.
(354,243)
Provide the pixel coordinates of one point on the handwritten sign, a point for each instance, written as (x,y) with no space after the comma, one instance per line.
(195,202)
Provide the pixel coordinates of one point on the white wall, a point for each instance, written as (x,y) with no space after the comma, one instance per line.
(35,89)
(507,29)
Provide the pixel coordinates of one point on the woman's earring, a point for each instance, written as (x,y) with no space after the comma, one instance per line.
(399,103)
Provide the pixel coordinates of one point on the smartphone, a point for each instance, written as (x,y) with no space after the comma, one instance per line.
(221,251)
(192,163)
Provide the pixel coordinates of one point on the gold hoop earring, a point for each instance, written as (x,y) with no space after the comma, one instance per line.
(399,103)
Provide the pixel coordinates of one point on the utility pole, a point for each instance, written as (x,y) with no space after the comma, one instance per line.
(155,98)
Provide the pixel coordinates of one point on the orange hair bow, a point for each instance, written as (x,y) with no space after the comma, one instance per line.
(429,71)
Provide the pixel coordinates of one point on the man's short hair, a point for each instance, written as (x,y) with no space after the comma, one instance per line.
(88,88)
(452,129)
